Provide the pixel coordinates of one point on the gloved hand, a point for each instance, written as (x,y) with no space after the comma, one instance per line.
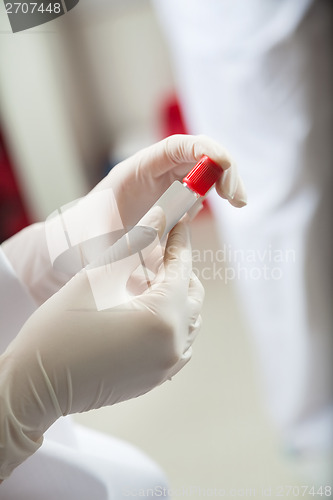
(70,357)
(114,205)
(146,175)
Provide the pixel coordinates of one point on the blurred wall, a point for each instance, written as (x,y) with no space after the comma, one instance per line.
(73,90)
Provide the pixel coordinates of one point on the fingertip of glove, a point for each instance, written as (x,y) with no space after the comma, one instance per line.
(180,234)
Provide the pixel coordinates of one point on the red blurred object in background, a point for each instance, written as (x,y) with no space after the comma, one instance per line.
(172,121)
(13,216)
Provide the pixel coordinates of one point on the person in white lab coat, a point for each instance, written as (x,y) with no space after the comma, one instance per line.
(63,351)
(259,74)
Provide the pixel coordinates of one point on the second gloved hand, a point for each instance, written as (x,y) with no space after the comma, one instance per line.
(76,353)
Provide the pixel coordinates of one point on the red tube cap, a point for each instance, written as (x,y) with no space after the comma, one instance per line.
(203,176)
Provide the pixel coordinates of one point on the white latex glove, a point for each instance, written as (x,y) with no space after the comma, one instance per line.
(117,203)
(69,357)
(146,175)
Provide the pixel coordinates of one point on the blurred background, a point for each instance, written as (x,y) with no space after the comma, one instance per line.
(80,93)
(77,95)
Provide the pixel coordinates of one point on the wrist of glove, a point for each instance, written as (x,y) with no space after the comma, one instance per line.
(76,353)
(17,439)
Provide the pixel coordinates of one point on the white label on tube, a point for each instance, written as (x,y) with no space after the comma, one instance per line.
(175,202)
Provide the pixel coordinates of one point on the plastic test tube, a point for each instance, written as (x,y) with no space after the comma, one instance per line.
(187,196)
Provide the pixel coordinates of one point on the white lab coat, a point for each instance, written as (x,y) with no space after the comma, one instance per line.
(73,462)
(256,75)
